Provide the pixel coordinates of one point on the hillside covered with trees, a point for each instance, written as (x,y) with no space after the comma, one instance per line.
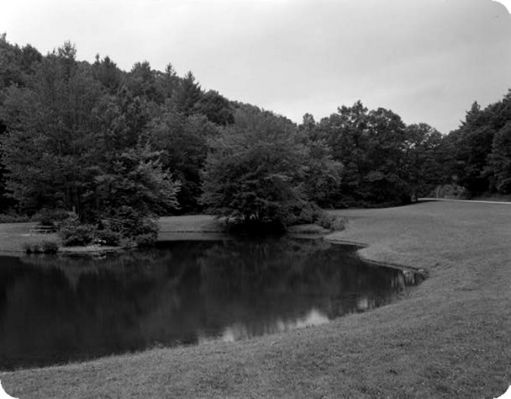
(119,148)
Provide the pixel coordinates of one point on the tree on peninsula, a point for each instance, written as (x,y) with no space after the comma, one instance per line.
(254,169)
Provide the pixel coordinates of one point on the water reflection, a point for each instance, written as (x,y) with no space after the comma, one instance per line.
(55,310)
(240,331)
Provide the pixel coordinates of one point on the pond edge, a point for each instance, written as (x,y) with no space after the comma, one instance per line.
(404,268)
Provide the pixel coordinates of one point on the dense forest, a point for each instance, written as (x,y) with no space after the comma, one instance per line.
(119,148)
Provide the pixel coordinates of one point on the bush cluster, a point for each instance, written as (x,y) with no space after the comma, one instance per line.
(449,191)
(310,213)
(75,234)
(331,222)
(108,237)
(127,227)
(51,217)
(44,247)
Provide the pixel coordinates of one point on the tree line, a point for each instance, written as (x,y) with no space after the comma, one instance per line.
(480,149)
(120,148)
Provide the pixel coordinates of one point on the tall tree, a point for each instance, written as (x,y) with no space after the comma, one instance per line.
(48,139)
(141,81)
(167,82)
(500,159)
(371,146)
(323,174)
(187,95)
(70,144)
(253,171)
(106,72)
(215,107)
(423,159)
(183,142)
(472,145)
(16,66)
(133,187)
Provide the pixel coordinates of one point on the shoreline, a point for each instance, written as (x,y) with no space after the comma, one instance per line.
(447,339)
(405,268)
(172,228)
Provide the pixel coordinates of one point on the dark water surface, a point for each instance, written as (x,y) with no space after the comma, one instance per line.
(60,309)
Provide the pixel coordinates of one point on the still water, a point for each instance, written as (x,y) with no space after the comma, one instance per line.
(60,309)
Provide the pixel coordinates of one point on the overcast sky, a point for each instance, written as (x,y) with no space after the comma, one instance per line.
(427,60)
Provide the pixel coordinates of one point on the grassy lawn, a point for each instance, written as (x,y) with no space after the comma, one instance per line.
(451,338)
(14,235)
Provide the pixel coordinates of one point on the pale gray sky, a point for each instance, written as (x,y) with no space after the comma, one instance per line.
(427,60)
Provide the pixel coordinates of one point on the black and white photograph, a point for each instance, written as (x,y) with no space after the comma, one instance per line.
(255,199)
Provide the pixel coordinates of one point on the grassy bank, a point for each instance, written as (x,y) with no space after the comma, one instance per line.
(449,339)
(13,236)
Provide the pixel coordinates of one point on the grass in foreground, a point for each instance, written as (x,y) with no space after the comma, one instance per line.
(449,339)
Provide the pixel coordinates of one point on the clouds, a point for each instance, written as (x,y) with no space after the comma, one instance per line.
(505,3)
(425,59)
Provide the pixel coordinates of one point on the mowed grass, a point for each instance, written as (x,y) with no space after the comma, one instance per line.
(450,338)
(14,235)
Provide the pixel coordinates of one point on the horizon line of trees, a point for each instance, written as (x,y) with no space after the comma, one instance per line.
(116,146)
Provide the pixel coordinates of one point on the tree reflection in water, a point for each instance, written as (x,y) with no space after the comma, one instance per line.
(58,309)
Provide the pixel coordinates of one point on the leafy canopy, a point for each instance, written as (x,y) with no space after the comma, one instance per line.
(254,169)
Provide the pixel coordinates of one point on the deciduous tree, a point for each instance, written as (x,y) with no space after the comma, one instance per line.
(254,168)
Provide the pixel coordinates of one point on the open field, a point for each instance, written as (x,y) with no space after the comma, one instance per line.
(449,339)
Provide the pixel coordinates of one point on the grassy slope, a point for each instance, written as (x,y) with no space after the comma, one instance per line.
(449,339)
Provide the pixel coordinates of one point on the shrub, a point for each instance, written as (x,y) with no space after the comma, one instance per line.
(50,247)
(127,226)
(312,214)
(505,186)
(148,227)
(331,222)
(28,247)
(75,234)
(146,233)
(339,223)
(145,240)
(45,247)
(51,217)
(108,237)
(449,191)
(309,214)
(131,224)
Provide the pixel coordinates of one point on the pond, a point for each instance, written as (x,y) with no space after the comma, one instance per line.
(60,309)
